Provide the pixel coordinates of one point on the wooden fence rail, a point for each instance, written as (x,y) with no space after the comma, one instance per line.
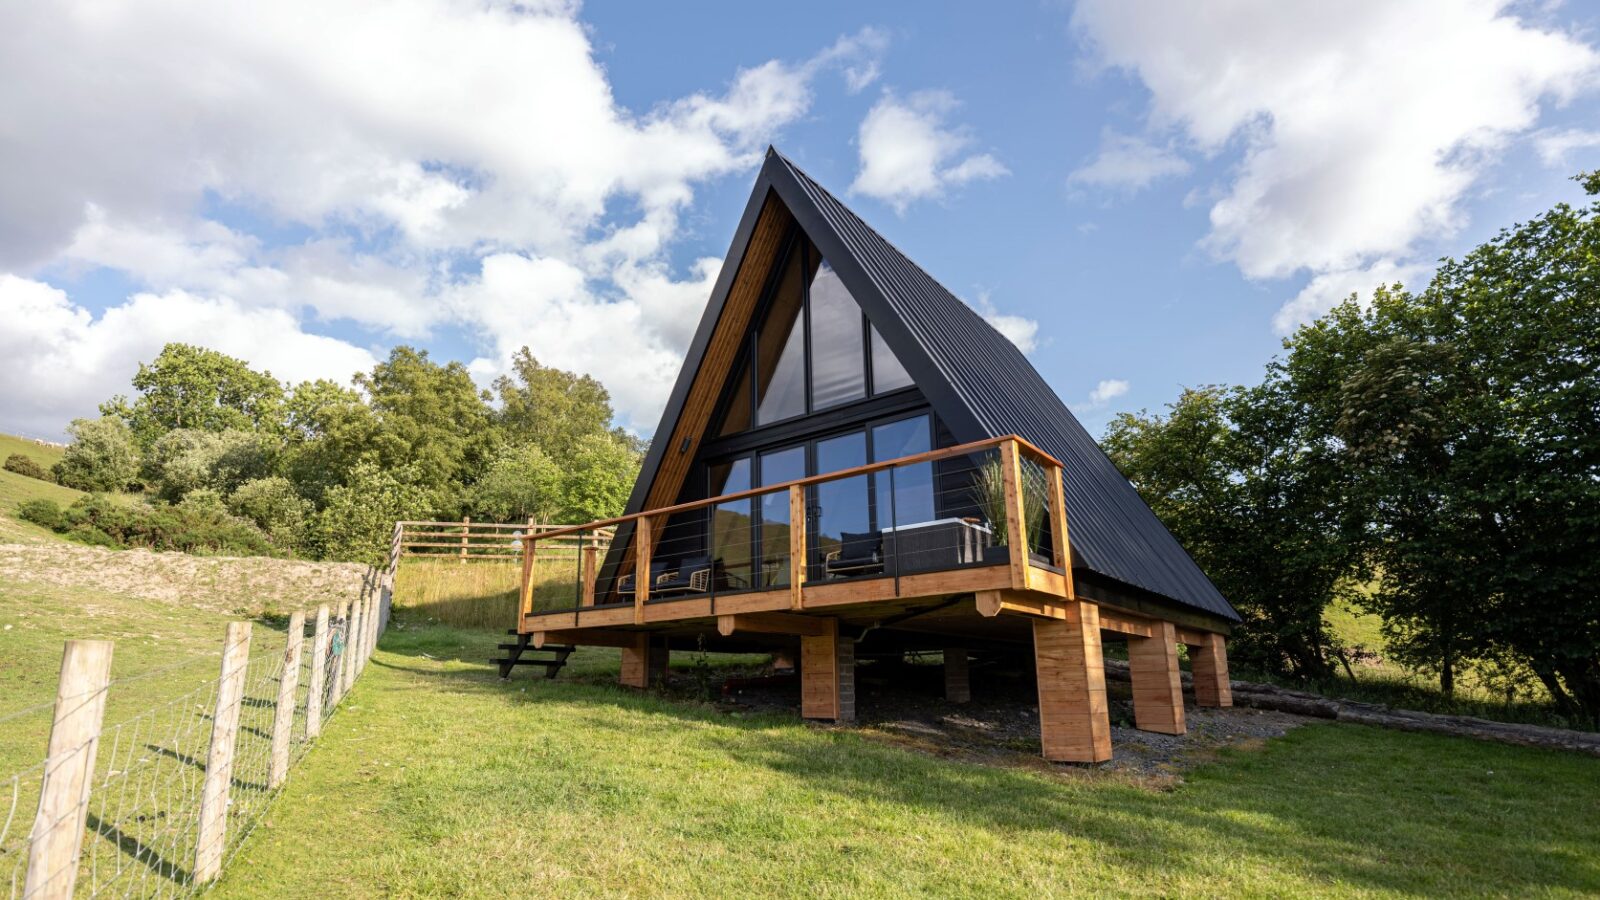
(467,540)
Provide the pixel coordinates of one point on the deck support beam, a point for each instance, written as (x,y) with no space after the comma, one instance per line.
(592,637)
(828,675)
(1157,690)
(774,623)
(957,675)
(1074,720)
(643,663)
(1208,658)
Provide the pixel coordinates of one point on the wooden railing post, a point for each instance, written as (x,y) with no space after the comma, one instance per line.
(319,673)
(797,546)
(466,522)
(590,555)
(530,550)
(213,833)
(643,544)
(1016,524)
(1058,527)
(283,712)
(57,837)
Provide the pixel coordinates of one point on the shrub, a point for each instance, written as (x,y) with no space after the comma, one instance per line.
(101,457)
(187,459)
(24,465)
(275,508)
(200,525)
(358,517)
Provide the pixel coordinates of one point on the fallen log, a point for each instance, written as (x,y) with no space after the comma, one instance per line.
(1303,703)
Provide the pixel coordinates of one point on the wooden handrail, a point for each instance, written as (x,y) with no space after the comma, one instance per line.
(929,456)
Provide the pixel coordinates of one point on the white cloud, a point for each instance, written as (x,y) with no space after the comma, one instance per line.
(1362,125)
(56,357)
(1556,146)
(400,144)
(1107,390)
(1328,289)
(908,153)
(1129,162)
(1019,330)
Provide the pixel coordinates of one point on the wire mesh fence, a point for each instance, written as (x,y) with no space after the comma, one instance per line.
(155,803)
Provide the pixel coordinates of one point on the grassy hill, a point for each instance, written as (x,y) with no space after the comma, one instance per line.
(441,780)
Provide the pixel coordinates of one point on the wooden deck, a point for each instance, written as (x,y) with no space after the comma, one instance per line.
(1029,599)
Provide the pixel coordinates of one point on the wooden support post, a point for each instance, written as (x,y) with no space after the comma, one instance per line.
(369,626)
(590,554)
(530,557)
(643,544)
(352,645)
(1016,524)
(1209,660)
(1061,543)
(636,662)
(1157,690)
(283,712)
(342,646)
(466,523)
(957,675)
(1074,721)
(319,673)
(57,836)
(797,546)
(828,675)
(213,833)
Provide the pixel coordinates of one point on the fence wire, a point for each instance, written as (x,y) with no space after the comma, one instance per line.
(141,805)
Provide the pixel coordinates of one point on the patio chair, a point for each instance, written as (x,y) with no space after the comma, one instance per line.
(859,553)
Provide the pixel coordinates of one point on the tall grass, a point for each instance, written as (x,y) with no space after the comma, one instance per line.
(476,594)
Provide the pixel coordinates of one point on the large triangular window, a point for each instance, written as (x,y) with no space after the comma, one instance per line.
(812,349)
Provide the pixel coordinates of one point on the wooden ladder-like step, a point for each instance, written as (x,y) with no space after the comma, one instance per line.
(514,656)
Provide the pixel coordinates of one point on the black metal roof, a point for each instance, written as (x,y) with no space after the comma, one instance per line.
(977,380)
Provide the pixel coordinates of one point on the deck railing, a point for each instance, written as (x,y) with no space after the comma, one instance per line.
(991,503)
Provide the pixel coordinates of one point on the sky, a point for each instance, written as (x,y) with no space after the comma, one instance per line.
(1144,196)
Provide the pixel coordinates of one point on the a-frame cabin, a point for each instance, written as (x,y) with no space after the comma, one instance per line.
(853,460)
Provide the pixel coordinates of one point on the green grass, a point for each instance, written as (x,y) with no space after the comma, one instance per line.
(440,780)
(479,593)
(42,454)
(18,489)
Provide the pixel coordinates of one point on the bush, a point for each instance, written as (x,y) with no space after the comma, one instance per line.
(187,459)
(24,465)
(201,525)
(101,457)
(275,508)
(358,519)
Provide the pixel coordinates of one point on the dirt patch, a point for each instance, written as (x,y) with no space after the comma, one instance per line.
(225,584)
(904,705)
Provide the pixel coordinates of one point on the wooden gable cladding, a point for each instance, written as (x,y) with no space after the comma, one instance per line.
(722,352)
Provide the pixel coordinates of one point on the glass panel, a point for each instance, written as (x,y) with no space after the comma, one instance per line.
(731,534)
(837,362)
(912,500)
(845,543)
(780,350)
(887,373)
(776,468)
(737,418)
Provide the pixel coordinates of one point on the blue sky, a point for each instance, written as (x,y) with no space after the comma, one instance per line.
(1145,195)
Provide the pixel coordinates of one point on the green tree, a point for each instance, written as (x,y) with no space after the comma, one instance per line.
(192,387)
(521,483)
(597,478)
(552,408)
(1472,411)
(329,431)
(101,457)
(274,506)
(1244,480)
(432,417)
(187,459)
(357,518)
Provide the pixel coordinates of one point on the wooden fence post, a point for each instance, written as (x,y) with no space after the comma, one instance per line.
(319,669)
(57,836)
(211,841)
(283,712)
(466,522)
(352,645)
(343,617)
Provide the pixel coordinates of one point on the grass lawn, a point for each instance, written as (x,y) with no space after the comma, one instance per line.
(438,779)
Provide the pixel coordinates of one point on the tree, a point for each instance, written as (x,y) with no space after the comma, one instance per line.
(358,517)
(432,417)
(274,506)
(192,387)
(1245,482)
(101,457)
(597,478)
(521,483)
(550,407)
(329,431)
(1472,412)
(187,459)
